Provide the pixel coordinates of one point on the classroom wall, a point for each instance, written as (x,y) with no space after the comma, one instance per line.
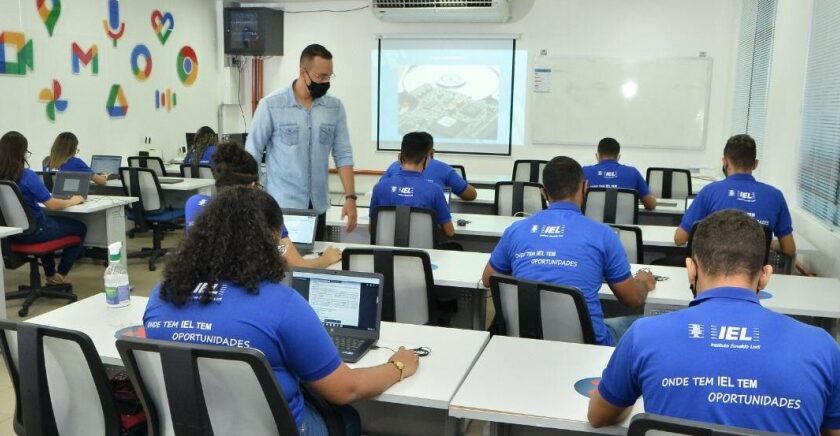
(604,28)
(86,94)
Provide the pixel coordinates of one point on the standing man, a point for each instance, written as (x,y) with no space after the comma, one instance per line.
(297,128)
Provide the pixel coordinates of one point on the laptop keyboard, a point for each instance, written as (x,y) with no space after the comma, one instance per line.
(347,345)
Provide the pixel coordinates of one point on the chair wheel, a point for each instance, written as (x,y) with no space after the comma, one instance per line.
(152,267)
(131,234)
(23,312)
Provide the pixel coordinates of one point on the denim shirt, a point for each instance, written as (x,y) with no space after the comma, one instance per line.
(298,143)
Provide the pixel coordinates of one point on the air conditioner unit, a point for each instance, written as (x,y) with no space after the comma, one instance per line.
(442,11)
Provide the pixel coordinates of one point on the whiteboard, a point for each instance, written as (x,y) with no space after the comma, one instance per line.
(661,103)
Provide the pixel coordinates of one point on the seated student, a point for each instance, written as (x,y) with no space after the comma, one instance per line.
(560,245)
(233,166)
(204,145)
(408,187)
(13,154)
(741,191)
(227,273)
(608,173)
(441,173)
(63,158)
(726,359)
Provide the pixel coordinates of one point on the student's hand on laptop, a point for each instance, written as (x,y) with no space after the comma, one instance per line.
(332,255)
(77,199)
(409,359)
(646,277)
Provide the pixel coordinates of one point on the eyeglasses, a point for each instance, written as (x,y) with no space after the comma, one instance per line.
(320,78)
(28,154)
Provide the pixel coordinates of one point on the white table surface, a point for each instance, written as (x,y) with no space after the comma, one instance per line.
(440,373)
(791,295)
(95,319)
(531,382)
(186,185)
(460,269)
(97,203)
(483,196)
(487,178)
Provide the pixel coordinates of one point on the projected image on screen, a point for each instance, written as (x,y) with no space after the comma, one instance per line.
(458,102)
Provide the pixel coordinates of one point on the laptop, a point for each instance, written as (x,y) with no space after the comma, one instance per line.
(349,305)
(106,164)
(301,225)
(69,183)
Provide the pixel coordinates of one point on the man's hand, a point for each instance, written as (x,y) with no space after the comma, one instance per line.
(349,211)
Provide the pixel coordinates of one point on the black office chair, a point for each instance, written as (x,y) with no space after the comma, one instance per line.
(669,182)
(537,310)
(643,423)
(461,170)
(46,178)
(408,292)
(518,198)
(59,382)
(196,390)
(153,163)
(200,171)
(612,205)
(404,226)
(632,241)
(528,170)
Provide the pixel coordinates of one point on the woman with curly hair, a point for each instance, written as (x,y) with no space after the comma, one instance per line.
(226,274)
(63,158)
(233,166)
(203,146)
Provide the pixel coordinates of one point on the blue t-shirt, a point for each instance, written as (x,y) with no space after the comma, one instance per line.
(198,202)
(741,191)
(33,191)
(437,172)
(277,321)
(608,173)
(727,360)
(205,157)
(72,164)
(409,188)
(560,245)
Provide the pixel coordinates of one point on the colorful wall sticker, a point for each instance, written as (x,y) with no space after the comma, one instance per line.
(117,105)
(16,54)
(187,65)
(52,97)
(163,24)
(141,51)
(113,27)
(165,99)
(49,15)
(79,57)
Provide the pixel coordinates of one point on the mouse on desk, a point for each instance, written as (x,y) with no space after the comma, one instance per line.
(462,222)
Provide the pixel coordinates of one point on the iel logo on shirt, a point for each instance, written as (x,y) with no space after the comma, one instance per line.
(588,386)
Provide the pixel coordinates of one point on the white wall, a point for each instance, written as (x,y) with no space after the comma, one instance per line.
(81,21)
(604,28)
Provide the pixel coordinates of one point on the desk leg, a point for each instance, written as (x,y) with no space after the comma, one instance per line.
(478,306)
(207,190)
(115,230)
(2,290)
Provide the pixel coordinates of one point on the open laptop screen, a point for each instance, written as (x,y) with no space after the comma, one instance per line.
(105,164)
(301,226)
(343,301)
(70,183)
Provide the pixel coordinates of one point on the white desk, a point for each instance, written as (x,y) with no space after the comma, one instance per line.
(175,194)
(480,180)
(791,295)
(529,382)
(104,217)
(92,317)
(5,232)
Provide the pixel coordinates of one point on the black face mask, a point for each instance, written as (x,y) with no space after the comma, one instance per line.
(318,90)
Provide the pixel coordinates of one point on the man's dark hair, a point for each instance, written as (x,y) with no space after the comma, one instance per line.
(562,177)
(741,151)
(312,51)
(729,242)
(609,147)
(415,147)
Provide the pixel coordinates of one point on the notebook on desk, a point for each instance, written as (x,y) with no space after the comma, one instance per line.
(70,183)
(301,225)
(106,164)
(349,305)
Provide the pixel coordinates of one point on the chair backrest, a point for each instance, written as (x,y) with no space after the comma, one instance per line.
(527,170)
(13,211)
(669,182)
(514,198)
(59,381)
(153,163)
(612,205)
(408,291)
(648,423)
(202,171)
(47,178)
(193,390)
(461,170)
(404,226)
(536,310)
(142,183)
(631,240)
